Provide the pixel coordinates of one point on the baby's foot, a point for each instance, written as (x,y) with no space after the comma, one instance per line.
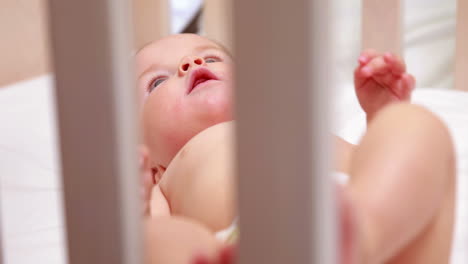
(380,80)
(227,255)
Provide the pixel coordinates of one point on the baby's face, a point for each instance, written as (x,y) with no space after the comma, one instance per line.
(185,85)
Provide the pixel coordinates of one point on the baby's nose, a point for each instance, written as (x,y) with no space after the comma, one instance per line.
(188,62)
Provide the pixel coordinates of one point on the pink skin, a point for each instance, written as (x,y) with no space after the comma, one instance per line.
(227,255)
(174,112)
(381,79)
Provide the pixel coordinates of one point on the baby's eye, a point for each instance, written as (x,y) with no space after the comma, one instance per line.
(212,60)
(156,83)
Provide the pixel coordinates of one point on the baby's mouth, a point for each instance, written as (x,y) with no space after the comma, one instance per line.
(198,77)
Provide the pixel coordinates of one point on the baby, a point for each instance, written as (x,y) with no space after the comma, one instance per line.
(398,203)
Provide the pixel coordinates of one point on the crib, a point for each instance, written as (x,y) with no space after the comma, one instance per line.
(102,224)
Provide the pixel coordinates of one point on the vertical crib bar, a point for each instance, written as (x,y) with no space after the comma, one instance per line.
(2,245)
(217,21)
(282,57)
(382,25)
(461,58)
(150,21)
(91,55)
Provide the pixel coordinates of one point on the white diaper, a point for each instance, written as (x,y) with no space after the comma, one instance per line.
(226,234)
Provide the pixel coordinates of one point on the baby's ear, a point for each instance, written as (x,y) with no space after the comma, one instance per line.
(157,173)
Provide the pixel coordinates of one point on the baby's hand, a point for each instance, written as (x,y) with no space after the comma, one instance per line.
(381,79)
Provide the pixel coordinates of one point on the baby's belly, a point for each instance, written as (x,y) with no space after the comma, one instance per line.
(200,182)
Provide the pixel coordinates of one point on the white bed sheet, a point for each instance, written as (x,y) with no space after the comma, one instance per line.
(31,209)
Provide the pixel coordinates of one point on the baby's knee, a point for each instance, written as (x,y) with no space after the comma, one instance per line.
(415,119)
(416,126)
(407,111)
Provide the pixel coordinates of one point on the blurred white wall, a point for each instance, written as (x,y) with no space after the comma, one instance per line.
(429,40)
(182,12)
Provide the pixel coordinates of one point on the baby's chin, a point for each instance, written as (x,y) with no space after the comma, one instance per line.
(214,104)
(221,110)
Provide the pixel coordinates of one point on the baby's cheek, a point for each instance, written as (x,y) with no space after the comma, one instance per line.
(221,109)
(213,108)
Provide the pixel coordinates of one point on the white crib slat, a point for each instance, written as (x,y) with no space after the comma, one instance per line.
(461,58)
(91,55)
(150,20)
(382,25)
(282,65)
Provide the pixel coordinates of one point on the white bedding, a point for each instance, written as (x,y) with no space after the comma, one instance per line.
(29,183)
(429,39)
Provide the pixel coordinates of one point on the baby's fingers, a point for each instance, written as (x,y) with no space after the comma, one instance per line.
(411,81)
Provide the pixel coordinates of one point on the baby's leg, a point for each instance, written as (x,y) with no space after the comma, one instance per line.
(402,187)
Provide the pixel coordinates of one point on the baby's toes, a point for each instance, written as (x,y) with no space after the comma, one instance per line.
(386,79)
(396,64)
(375,67)
(367,56)
(403,87)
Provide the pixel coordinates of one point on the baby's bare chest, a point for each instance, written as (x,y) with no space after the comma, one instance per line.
(200,181)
